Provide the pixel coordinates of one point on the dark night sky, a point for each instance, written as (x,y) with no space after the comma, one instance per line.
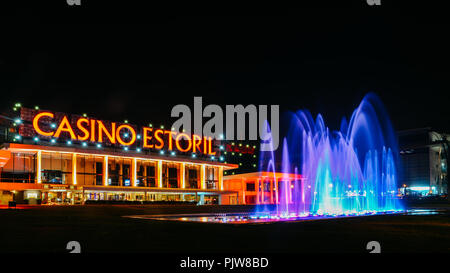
(324,61)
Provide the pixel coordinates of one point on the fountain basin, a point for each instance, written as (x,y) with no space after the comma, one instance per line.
(265,218)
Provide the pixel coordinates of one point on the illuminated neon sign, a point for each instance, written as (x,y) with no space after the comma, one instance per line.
(236,149)
(84,129)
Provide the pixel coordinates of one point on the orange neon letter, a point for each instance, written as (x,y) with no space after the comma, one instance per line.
(81,128)
(196,144)
(177,143)
(210,152)
(205,146)
(65,126)
(92,130)
(159,139)
(146,137)
(102,128)
(36,123)
(170,133)
(133,135)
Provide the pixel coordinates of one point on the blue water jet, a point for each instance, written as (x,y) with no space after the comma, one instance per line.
(351,171)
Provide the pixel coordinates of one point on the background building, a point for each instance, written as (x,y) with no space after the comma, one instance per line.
(423,162)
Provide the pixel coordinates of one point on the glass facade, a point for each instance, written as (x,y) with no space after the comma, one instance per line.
(146,173)
(21,168)
(170,175)
(212,178)
(192,177)
(89,170)
(64,177)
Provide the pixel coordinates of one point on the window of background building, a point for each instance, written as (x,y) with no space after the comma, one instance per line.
(170,175)
(98,173)
(21,168)
(192,175)
(146,173)
(87,172)
(126,172)
(114,171)
(250,186)
(212,178)
(56,168)
(151,175)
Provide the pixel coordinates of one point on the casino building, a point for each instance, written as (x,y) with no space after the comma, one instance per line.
(56,158)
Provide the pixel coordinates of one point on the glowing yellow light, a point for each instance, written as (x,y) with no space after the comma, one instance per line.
(105,170)
(160,174)
(39,156)
(182,170)
(74,168)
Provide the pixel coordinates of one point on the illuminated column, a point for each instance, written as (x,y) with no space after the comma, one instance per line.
(202,176)
(257,191)
(39,162)
(290,191)
(105,170)
(276,190)
(133,172)
(221,178)
(159,174)
(182,172)
(74,168)
(183,178)
(244,188)
(262,192)
(271,191)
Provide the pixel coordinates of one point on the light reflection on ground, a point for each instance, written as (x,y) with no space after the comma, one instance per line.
(259,218)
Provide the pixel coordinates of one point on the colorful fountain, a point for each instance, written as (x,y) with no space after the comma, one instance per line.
(351,171)
(343,173)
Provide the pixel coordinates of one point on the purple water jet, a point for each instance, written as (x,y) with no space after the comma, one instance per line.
(351,171)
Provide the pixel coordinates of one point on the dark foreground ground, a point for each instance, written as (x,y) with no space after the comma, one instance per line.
(100,228)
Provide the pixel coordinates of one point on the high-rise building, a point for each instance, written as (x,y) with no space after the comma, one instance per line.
(423,162)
